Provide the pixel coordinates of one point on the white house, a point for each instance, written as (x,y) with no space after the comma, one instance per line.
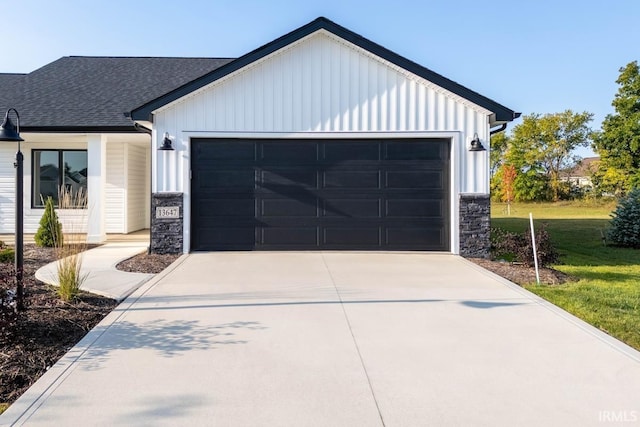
(320,139)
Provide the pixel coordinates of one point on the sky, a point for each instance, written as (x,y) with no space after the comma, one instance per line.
(535,56)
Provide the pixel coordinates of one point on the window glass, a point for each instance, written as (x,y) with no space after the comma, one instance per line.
(46,172)
(53,169)
(75,173)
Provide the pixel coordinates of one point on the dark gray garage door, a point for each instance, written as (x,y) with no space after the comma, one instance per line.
(320,194)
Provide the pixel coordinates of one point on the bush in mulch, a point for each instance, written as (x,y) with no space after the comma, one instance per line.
(518,247)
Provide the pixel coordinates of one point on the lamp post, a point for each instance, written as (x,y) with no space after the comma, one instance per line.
(11,133)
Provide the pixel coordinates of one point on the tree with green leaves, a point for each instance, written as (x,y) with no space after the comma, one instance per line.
(618,144)
(541,147)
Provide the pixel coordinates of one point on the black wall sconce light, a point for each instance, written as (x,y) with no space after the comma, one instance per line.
(476,145)
(166,143)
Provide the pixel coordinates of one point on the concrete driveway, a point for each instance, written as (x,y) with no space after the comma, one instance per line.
(337,339)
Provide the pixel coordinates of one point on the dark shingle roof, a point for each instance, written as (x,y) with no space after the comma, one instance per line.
(94,93)
(502,113)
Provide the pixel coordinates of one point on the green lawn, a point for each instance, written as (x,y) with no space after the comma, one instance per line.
(607,291)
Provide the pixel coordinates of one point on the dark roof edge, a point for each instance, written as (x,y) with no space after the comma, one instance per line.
(501,112)
(79,129)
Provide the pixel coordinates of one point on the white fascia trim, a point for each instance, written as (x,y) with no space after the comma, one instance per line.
(457,144)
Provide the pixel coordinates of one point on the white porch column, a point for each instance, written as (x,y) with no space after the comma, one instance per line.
(97,173)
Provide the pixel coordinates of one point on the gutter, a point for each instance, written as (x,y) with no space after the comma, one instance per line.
(504,125)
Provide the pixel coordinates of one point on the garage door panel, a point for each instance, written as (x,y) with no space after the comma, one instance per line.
(240,236)
(278,152)
(274,178)
(414,237)
(350,179)
(339,194)
(290,236)
(232,151)
(411,151)
(350,208)
(227,179)
(414,208)
(352,237)
(346,152)
(283,208)
(413,179)
(230,208)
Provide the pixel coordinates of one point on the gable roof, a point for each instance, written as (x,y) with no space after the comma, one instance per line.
(84,93)
(502,113)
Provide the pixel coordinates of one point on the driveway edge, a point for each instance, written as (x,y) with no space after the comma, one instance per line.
(613,342)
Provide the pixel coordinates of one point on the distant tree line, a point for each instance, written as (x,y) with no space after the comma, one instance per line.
(528,164)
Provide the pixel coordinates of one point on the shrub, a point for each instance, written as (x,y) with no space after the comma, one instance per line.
(7,255)
(625,222)
(49,233)
(518,247)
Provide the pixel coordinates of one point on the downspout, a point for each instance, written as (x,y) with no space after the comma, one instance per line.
(498,130)
(148,131)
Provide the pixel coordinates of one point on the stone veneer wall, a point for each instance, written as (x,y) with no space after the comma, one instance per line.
(475,225)
(166,233)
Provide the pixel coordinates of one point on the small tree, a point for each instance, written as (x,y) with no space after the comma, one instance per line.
(509,174)
(625,222)
(49,233)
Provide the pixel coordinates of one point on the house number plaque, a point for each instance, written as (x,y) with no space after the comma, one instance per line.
(167,212)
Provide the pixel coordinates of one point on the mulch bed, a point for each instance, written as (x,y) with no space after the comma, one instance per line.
(521,274)
(147,263)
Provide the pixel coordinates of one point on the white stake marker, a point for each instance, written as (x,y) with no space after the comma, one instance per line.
(535,251)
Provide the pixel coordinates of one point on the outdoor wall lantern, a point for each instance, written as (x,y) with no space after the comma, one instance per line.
(11,133)
(166,143)
(476,145)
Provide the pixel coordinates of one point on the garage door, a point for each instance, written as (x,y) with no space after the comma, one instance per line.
(320,194)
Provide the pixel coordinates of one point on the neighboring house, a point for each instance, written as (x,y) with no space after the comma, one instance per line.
(580,175)
(320,139)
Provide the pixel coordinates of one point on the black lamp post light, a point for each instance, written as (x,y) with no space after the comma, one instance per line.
(11,133)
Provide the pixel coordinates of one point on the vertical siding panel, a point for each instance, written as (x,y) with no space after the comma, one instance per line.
(422,110)
(363,92)
(412,107)
(383,113)
(297,91)
(432,110)
(374,97)
(287,91)
(336,90)
(347,107)
(392,101)
(405,109)
(354,86)
(325,83)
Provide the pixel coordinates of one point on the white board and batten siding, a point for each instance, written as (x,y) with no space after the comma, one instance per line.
(322,86)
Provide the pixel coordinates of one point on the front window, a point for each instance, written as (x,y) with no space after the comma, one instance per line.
(58,169)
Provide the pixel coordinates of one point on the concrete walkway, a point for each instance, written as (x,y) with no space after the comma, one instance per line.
(336,339)
(99,266)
